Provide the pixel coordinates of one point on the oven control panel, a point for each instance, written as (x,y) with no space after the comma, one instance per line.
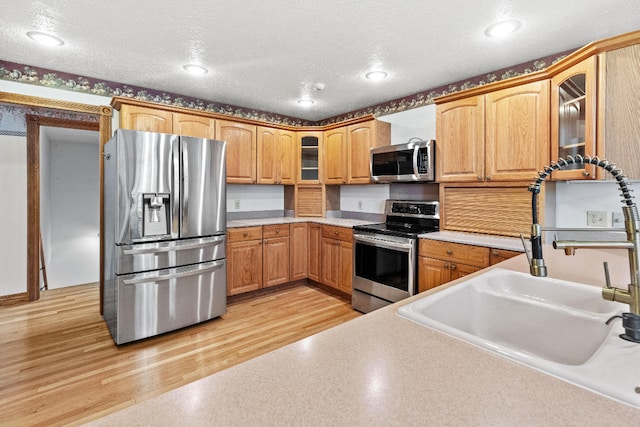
(413,208)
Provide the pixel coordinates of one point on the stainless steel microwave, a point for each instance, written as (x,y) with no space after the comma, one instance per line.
(413,161)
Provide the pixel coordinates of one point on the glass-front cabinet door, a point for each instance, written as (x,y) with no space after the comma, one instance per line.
(573,118)
(310,144)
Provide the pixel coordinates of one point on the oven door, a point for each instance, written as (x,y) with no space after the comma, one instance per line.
(384,266)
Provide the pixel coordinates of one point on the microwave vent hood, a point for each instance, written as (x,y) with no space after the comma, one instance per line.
(410,162)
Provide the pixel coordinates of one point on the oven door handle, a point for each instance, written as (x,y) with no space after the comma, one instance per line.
(387,244)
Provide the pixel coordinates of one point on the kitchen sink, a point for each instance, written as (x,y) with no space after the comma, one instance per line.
(552,325)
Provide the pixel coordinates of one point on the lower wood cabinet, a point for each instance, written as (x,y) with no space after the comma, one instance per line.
(441,262)
(313,262)
(257,257)
(299,250)
(336,257)
(275,254)
(244,259)
(499,255)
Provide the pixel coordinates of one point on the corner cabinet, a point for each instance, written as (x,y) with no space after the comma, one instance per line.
(241,150)
(573,118)
(498,136)
(309,157)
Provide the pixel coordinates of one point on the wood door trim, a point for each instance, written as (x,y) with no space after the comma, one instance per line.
(104,127)
(33,193)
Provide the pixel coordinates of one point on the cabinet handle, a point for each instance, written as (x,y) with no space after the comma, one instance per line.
(488,177)
(585,173)
(336,233)
(479,178)
(449,251)
(260,242)
(494,253)
(453,266)
(245,234)
(446,265)
(278,231)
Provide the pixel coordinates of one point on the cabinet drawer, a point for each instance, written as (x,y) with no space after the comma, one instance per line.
(499,255)
(244,233)
(275,230)
(339,233)
(477,256)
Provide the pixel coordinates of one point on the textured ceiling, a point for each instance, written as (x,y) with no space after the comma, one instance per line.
(268,54)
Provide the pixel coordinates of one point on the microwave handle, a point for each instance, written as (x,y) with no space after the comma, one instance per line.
(416,151)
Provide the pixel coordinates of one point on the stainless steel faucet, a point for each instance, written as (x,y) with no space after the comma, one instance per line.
(631,295)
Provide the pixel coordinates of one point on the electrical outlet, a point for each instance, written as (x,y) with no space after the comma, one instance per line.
(236,204)
(596,219)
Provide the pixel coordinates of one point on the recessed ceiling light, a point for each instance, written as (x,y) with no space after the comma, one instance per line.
(501,29)
(197,70)
(306,102)
(45,39)
(376,75)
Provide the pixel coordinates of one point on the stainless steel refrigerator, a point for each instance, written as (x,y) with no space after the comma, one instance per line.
(165,229)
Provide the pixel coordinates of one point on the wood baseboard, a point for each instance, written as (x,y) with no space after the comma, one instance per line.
(13,299)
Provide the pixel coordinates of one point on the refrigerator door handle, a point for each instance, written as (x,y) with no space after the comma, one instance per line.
(175,194)
(170,248)
(184,214)
(154,277)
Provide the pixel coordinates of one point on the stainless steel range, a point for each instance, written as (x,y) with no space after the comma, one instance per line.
(385,255)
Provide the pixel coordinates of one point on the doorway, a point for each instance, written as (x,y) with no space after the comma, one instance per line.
(69,206)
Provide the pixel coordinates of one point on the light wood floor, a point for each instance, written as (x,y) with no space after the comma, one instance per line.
(59,366)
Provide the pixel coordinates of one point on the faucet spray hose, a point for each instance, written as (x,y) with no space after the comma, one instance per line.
(616,172)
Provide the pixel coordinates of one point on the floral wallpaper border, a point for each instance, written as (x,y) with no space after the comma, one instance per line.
(60,80)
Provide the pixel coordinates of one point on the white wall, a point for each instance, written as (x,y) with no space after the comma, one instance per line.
(364,198)
(418,122)
(13,214)
(251,198)
(574,198)
(74,215)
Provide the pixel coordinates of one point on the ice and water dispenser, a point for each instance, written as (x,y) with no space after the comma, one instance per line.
(156,214)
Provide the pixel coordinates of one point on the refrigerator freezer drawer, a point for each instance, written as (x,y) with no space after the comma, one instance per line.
(160,255)
(155,302)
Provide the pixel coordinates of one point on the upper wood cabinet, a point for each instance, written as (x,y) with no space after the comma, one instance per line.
(573,118)
(241,150)
(619,110)
(347,151)
(190,125)
(499,136)
(135,117)
(335,155)
(276,156)
(309,157)
(460,140)
(146,119)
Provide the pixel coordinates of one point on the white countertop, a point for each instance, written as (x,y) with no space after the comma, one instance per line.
(341,222)
(498,242)
(381,369)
